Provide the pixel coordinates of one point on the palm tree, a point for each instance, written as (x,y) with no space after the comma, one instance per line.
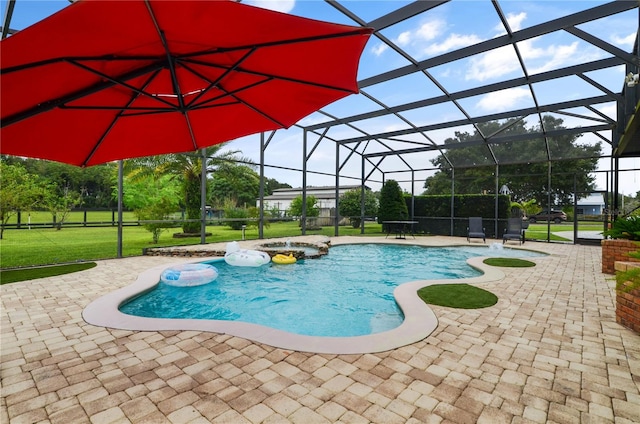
(187,167)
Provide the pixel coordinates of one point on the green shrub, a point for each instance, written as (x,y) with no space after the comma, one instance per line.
(350,205)
(632,275)
(237,217)
(625,228)
(392,205)
(159,213)
(254,213)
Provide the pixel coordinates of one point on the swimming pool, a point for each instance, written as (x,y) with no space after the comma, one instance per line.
(349,292)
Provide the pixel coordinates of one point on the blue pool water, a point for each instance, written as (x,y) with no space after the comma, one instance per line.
(348,292)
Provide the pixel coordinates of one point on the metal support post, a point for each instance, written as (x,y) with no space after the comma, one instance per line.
(261,219)
(120,188)
(303,218)
(203,198)
(336,229)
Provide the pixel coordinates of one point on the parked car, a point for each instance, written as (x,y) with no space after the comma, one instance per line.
(555,216)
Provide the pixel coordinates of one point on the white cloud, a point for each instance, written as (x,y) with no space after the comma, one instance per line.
(422,39)
(426,32)
(404,38)
(554,56)
(514,21)
(414,38)
(430,30)
(503,61)
(625,41)
(313,119)
(284,6)
(379,49)
(454,41)
(493,64)
(611,111)
(503,100)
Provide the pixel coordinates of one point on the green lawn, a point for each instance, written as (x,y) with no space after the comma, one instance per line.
(42,217)
(539,231)
(15,275)
(509,262)
(42,246)
(461,296)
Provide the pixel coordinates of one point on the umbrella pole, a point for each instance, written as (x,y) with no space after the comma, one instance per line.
(261,216)
(203,198)
(120,187)
(303,218)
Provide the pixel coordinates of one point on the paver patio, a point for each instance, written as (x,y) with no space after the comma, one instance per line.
(548,351)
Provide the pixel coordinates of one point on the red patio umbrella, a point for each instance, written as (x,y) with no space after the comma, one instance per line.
(107,80)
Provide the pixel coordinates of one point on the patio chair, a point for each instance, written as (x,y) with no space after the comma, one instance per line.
(475,229)
(513,231)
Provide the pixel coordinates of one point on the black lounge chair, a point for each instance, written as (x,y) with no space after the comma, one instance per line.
(514,230)
(475,229)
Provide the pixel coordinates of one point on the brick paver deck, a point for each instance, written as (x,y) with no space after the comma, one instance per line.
(549,351)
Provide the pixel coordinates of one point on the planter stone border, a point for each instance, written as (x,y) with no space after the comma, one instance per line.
(616,250)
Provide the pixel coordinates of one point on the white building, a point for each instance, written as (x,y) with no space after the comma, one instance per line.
(326,196)
(591,205)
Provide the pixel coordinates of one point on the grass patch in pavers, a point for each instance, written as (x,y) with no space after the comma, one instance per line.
(462,296)
(15,275)
(509,262)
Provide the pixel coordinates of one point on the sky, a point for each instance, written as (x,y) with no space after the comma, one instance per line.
(439,31)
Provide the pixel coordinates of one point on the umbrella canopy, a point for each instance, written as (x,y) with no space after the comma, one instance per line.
(104,80)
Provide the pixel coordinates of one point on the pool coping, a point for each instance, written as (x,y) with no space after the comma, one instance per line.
(420,320)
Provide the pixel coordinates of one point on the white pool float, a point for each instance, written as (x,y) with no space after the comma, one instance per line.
(189,275)
(244,257)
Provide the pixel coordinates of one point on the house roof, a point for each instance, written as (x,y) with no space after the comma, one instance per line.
(324,192)
(592,199)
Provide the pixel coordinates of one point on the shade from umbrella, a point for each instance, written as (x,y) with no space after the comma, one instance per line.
(107,80)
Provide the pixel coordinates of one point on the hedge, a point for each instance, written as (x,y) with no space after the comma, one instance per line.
(433,213)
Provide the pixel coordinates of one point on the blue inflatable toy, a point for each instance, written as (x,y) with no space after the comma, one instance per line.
(189,275)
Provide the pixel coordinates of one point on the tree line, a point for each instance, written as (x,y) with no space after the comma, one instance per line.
(156,187)
(524,162)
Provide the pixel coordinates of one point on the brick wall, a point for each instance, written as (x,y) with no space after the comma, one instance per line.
(616,250)
(628,309)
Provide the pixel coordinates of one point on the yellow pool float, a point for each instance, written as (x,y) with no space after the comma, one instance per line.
(284,259)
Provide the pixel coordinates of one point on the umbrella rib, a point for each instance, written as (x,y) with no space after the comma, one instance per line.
(263,74)
(250,106)
(172,71)
(358,31)
(170,59)
(123,108)
(230,93)
(72,58)
(96,146)
(117,81)
(215,83)
(161,111)
(30,65)
(220,78)
(52,104)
